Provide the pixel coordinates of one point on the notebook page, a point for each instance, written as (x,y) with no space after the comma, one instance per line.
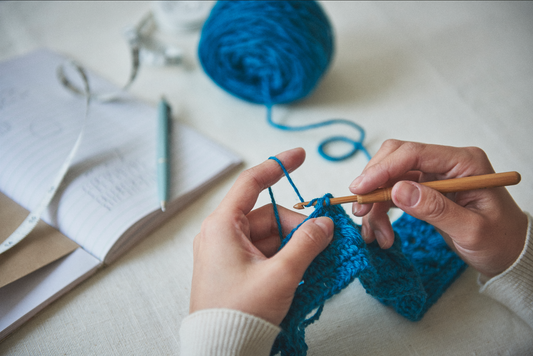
(112,182)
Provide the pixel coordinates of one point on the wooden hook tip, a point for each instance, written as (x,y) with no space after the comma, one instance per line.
(518,177)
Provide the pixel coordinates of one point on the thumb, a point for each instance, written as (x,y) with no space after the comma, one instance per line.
(311,238)
(431,206)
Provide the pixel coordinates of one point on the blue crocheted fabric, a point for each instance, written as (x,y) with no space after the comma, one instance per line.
(409,277)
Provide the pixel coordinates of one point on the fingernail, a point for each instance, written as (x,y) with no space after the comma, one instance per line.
(356,207)
(356,182)
(407,194)
(327,227)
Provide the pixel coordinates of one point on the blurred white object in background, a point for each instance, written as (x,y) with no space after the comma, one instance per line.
(181,16)
(160,34)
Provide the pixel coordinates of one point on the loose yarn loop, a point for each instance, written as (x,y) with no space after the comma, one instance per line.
(272,52)
(409,277)
(357,144)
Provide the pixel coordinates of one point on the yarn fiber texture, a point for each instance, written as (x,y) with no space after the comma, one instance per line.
(408,277)
(266,52)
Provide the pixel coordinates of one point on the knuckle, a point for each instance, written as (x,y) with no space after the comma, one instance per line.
(435,208)
(213,225)
(207,223)
(413,148)
(391,143)
(314,236)
(250,176)
(477,155)
(476,152)
(476,161)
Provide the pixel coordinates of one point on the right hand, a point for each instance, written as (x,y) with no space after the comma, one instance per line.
(485,227)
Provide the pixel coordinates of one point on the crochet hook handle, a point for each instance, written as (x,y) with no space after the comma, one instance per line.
(444,186)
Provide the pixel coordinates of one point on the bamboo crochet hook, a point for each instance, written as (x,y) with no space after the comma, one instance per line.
(444,186)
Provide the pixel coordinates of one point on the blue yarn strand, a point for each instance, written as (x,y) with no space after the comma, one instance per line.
(357,144)
(276,213)
(288,177)
(274,205)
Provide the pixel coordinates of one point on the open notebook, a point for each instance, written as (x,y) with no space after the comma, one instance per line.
(108,199)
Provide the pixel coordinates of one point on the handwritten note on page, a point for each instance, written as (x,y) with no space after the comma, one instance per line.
(111,184)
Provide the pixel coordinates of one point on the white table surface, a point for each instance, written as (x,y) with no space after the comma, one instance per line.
(454,73)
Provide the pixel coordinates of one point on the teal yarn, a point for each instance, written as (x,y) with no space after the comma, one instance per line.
(408,277)
(272,52)
(266,52)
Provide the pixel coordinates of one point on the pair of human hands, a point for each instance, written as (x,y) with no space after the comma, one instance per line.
(237,264)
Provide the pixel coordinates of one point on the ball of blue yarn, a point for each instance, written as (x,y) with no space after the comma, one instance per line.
(266,52)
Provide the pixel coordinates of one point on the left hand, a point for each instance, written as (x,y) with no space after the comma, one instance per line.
(236,263)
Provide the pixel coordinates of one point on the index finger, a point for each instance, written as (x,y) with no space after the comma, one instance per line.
(442,161)
(243,194)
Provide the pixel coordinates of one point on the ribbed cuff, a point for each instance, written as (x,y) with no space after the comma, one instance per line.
(514,287)
(224,332)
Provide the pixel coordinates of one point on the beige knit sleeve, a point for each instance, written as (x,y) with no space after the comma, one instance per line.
(224,332)
(514,287)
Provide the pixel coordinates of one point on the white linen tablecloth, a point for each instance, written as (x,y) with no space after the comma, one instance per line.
(453,73)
